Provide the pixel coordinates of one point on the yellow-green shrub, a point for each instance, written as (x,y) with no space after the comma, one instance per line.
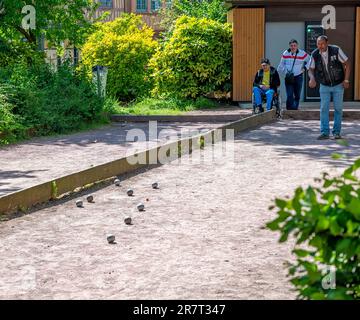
(125,46)
(195,61)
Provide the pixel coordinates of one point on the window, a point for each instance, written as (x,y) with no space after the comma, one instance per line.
(106,3)
(168,3)
(155,5)
(141,5)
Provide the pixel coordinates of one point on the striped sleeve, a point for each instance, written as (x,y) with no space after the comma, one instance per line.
(311,64)
(342,56)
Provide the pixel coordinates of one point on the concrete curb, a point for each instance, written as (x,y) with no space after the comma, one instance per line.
(26,198)
(315,114)
(179,118)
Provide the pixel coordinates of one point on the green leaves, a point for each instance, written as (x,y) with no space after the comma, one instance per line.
(59,20)
(337,156)
(301,253)
(326,219)
(280,203)
(354,208)
(40,101)
(195,60)
(322,224)
(335,229)
(125,45)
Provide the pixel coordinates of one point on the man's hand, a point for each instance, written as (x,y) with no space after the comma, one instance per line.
(264,87)
(346,84)
(312,83)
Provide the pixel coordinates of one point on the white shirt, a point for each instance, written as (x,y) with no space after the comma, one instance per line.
(287,61)
(341,56)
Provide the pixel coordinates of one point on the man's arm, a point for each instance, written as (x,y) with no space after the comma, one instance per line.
(277,79)
(347,67)
(307,62)
(312,82)
(346,64)
(281,67)
(256,80)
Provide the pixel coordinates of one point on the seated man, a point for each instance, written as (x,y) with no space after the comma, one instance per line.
(266,82)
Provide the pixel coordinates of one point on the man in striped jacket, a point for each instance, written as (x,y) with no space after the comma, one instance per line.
(292,65)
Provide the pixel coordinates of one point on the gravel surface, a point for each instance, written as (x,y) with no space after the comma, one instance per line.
(201,235)
(42,159)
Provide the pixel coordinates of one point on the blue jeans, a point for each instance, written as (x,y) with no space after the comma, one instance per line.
(258,93)
(337,93)
(293,93)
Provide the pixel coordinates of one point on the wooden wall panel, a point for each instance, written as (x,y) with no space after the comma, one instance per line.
(357,55)
(289,13)
(248,49)
(343,36)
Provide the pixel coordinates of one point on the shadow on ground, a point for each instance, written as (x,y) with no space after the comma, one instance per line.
(300,137)
(14,174)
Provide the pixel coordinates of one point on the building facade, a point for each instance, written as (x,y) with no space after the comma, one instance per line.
(264,28)
(148,9)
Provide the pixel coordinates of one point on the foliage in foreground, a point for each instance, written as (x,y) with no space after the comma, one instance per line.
(325,221)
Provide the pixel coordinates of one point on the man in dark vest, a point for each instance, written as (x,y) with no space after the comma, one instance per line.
(330,67)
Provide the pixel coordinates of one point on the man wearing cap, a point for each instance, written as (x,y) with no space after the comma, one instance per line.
(266,82)
(330,67)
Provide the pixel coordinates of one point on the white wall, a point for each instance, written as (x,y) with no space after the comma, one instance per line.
(277,37)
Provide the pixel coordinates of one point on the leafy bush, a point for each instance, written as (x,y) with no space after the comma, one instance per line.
(326,224)
(125,45)
(195,61)
(10,125)
(209,9)
(41,101)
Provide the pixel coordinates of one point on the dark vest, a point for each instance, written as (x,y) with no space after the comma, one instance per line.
(336,74)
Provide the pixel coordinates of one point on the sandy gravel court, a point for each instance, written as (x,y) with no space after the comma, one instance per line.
(201,236)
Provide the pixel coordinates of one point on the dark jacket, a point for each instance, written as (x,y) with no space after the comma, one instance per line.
(336,74)
(274,78)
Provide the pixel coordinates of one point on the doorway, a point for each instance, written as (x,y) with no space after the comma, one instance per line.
(277,37)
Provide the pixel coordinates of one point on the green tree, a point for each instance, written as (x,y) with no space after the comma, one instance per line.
(56,20)
(209,9)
